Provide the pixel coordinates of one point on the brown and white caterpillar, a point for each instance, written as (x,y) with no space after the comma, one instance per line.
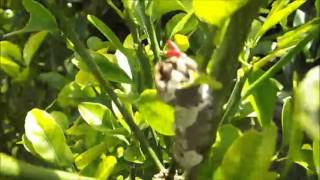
(174,79)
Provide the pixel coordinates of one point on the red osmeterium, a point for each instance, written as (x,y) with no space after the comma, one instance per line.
(173,50)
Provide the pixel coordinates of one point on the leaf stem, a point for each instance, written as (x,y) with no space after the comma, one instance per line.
(80,48)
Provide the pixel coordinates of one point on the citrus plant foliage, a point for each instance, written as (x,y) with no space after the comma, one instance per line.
(160,89)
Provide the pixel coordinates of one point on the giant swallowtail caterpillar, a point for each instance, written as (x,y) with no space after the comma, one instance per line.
(174,79)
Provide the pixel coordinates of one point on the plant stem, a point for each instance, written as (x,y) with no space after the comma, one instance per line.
(79,47)
(10,166)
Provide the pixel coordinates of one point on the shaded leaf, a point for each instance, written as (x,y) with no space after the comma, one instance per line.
(53,79)
(287,120)
(61,119)
(47,138)
(157,8)
(134,154)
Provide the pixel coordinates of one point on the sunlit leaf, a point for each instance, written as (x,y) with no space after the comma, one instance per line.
(250,155)
(61,119)
(9,67)
(32,45)
(316,156)
(47,138)
(180,24)
(106,167)
(96,115)
(90,155)
(159,115)
(182,41)
(10,50)
(277,14)
(157,8)
(215,12)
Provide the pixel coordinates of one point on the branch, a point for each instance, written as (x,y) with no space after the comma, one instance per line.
(12,167)
(80,48)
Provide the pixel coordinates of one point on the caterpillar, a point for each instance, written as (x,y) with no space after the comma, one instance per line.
(174,79)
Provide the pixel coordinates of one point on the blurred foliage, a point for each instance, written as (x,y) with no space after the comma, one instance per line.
(55,114)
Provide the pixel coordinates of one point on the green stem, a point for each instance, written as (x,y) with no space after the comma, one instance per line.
(283,61)
(234,100)
(80,48)
(153,38)
(116,9)
(12,167)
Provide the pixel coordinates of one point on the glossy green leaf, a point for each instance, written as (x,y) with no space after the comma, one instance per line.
(263,98)
(10,50)
(106,166)
(106,31)
(307,110)
(250,155)
(32,45)
(158,8)
(47,138)
(158,114)
(96,115)
(61,119)
(134,154)
(277,14)
(215,12)
(40,19)
(85,158)
(287,120)
(9,67)
(53,80)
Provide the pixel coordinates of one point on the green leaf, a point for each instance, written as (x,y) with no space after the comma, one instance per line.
(215,12)
(263,98)
(107,32)
(158,114)
(181,27)
(61,119)
(10,50)
(294,36)
(33,45)
(134,154)
(307,109)
(287,120)
(28,145)
(47,138)
(182,41)
(110,70)
(181,24)
(276,15)
(9,67)
(250,155)
(53,80)
(157,8)
(226,135)
(85,78)
(96,115)
(40,19)
(72,94)
(106,166)
(85,158)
